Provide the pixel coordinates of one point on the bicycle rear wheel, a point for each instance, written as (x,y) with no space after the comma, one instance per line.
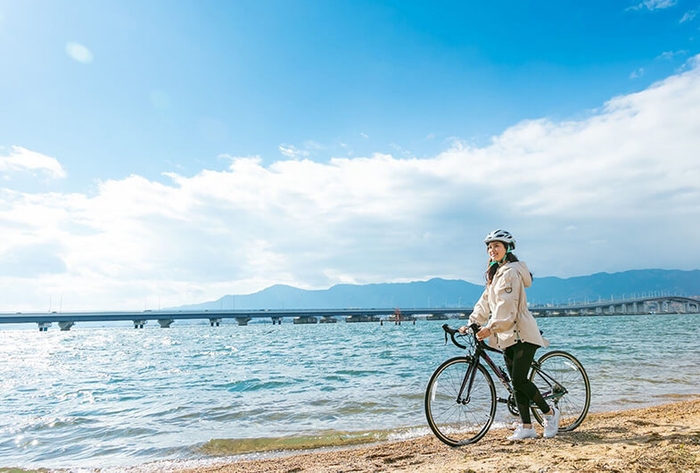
(562,380)
(459,421)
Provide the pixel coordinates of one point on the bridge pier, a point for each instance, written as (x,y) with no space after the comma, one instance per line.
(214,322)
(243,321)
(65,326)
(362,318)
(165,323)
(328,320)
(140,323)
(44,326)
(276,320)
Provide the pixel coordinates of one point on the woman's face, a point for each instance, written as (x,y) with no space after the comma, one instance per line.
(496,250)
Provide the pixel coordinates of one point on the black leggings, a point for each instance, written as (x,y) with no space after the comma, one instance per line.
(518,360)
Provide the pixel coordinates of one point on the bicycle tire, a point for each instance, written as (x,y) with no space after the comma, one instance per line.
(459,423)
(561,379)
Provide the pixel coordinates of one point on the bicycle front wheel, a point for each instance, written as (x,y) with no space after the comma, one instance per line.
(561,379)
(455,417)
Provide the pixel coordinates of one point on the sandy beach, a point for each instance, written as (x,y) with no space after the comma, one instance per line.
(664,438)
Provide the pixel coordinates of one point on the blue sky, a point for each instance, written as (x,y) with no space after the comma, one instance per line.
(170,152)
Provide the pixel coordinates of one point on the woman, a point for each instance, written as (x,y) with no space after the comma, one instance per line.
(503,316)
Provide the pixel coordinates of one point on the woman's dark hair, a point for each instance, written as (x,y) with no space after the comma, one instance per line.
(491,271)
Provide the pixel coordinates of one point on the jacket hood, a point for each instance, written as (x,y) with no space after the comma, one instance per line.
(523,271)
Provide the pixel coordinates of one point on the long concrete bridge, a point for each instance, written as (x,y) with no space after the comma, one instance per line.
(165,318)
(640,305)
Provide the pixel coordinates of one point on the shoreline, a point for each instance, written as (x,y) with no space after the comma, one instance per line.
(662,438)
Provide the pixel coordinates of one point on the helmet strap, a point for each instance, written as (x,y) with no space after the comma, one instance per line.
(501,261)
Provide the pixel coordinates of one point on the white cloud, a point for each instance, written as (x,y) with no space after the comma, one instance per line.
(672,54)
(688,16)
(21,160)
(78,52)
(610,192)
(292,152)
(637,73)
(654,5)
(313,145)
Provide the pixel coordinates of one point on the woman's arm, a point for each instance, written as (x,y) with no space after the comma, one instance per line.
(480,314)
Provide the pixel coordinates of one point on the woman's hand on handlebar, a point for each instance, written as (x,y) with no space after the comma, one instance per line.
(483,333)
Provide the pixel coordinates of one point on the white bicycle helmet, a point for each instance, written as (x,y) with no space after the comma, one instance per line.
(503,236)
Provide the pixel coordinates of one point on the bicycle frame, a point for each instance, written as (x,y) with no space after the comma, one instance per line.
(481,353)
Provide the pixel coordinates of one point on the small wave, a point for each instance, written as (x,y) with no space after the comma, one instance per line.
(224,447)
(253,384)
(673,397)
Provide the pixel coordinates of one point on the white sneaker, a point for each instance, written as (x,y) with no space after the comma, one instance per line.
(551,423)
(522,433)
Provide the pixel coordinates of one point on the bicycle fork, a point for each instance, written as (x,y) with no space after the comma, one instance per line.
(468,381)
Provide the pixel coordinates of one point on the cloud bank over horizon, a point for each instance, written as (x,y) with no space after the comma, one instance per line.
(616,190)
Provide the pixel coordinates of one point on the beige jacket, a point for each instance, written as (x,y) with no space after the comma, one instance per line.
(503,308)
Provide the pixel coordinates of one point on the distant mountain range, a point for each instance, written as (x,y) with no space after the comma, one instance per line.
(458,293)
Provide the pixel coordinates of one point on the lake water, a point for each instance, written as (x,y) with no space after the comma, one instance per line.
(115,397)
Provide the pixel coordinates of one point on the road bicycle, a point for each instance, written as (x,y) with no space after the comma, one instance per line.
(460,399)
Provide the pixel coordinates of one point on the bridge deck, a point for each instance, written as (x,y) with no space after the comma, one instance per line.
(167,317)
(57,317)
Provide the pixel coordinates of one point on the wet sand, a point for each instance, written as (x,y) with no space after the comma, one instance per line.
(663,438)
